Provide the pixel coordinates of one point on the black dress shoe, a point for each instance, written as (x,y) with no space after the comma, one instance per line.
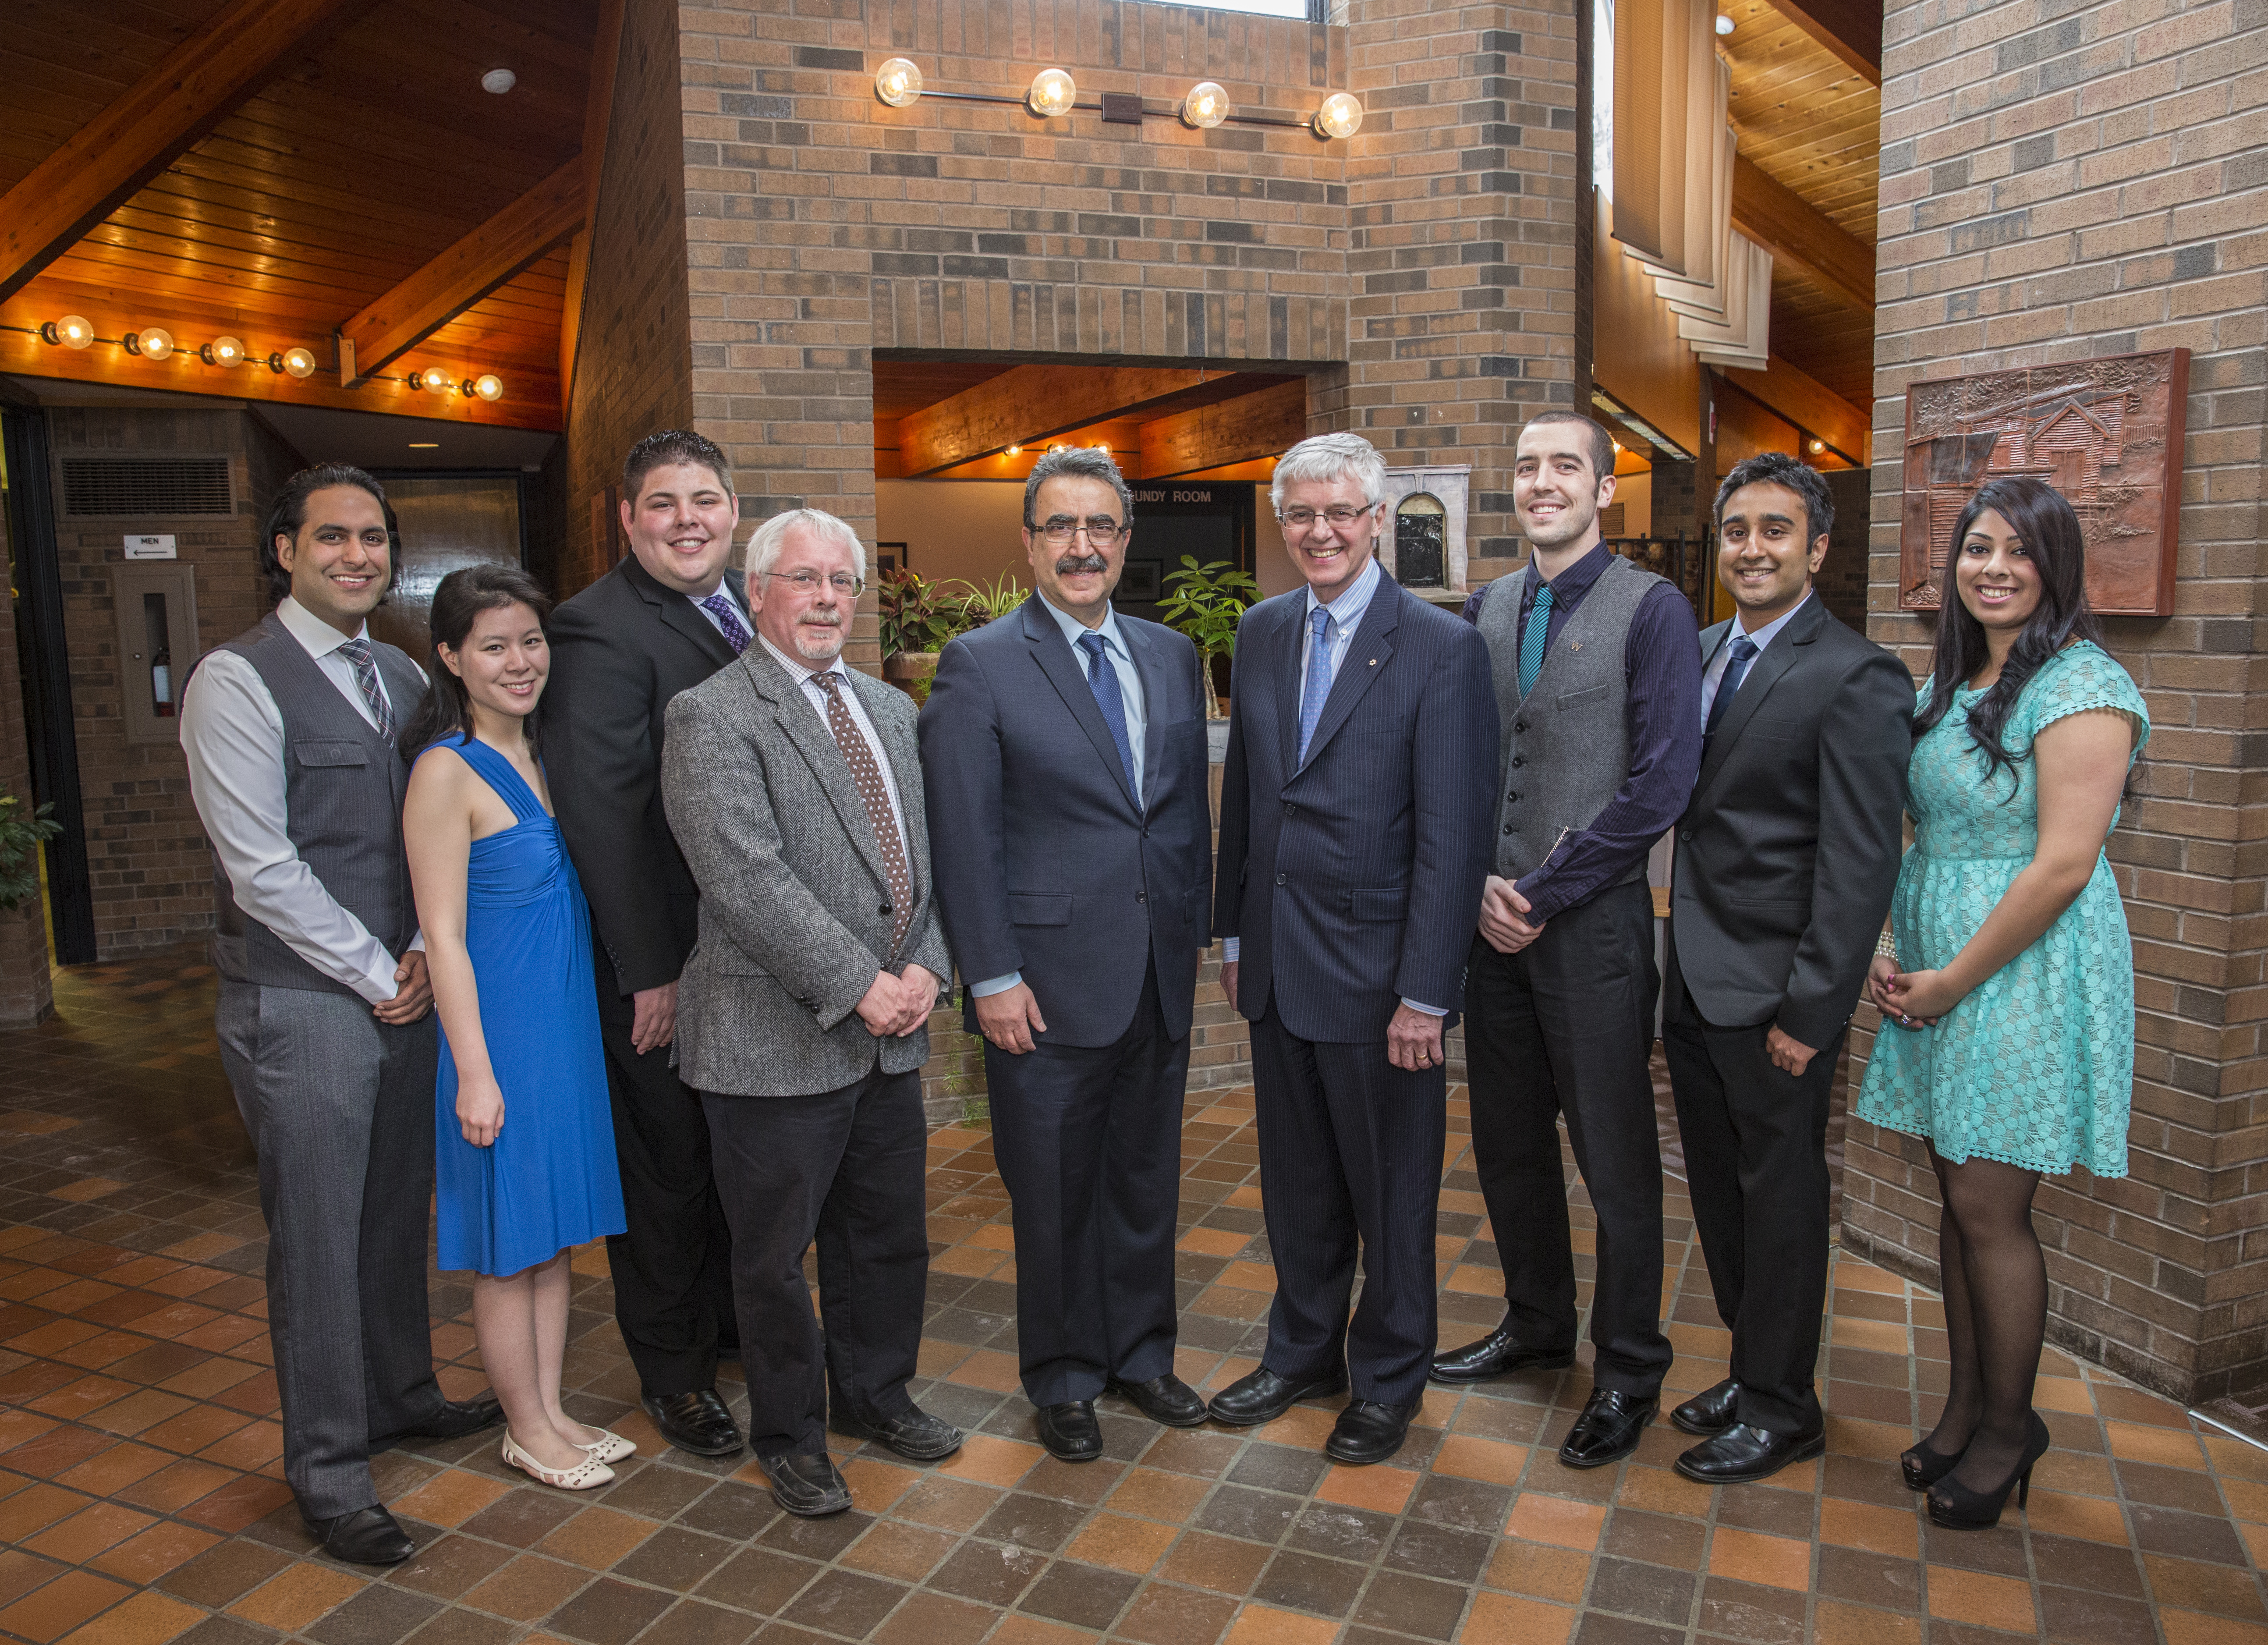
(1742,1455)
(1498,1354)
(1167,1399)
(1369,1430)
(452,1420)
(1711,1411)
(1070,1431)
(913,1432)
(1264,1396)
(1607,1430)
(806,1485)
(369,1535)
(697,1422)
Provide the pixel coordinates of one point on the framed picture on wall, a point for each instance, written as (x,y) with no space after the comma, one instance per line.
(1141,581)
(888,557)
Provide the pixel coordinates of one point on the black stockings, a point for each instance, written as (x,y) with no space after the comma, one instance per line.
(1996,1307)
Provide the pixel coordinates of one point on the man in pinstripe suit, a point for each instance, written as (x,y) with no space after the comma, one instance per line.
(1354,839)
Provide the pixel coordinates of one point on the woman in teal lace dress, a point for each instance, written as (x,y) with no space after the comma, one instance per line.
(2007,1041)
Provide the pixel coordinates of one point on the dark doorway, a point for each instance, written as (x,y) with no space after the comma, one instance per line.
(1205,520)
(446,521)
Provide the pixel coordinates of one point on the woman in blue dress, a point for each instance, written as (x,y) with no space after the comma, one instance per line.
(524,1149)
(2007,1041)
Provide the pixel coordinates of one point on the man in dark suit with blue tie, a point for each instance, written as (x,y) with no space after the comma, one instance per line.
(1063,762)
(1354,840)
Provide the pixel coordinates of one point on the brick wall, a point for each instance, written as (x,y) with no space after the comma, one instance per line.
(2057,183)
(27,986)
(151,873)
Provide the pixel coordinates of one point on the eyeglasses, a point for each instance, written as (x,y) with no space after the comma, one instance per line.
(1338,516)
(1101,530)
(807,582)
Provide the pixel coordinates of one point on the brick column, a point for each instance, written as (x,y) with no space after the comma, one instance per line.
(2053,191)
(28,992)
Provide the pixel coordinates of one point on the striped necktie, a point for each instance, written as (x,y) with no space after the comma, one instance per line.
(357,651)
(1534,637)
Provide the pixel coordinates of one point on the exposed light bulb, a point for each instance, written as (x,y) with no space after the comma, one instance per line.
(1817,447)
(299,362)
(154,343)
(1340,116)
(73,331)
(433,378)
(223,351)
(497,82)
(1052,94)
(1724,23)
(488,385)
(898,82)
(1206,105)
(1014,450)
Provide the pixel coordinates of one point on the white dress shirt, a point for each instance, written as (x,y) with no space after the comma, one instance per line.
(1346,616)
(1714,675)
(806,676)
(1137,717)
(234,735)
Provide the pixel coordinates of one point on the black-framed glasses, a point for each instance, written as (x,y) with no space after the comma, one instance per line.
(807,582)
(1101,530)
(1338,516)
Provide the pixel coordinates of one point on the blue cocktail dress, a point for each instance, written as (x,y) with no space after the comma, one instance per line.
(549,1180)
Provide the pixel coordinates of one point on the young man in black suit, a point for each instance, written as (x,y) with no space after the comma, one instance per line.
(665,619)
(1785,861)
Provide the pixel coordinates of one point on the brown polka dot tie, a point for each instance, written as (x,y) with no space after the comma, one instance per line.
(868,776)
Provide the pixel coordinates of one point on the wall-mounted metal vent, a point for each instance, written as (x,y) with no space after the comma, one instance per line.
(146,485)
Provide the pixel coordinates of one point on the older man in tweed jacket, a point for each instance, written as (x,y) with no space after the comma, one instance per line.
(794,787)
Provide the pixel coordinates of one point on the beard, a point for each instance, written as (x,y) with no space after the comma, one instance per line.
(813,645)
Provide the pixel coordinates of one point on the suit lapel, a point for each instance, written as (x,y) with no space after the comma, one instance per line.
(1765,673)
(1151,667)
(799,720)
(1372,650)
(677,612)
(1054,655)
(1290,680)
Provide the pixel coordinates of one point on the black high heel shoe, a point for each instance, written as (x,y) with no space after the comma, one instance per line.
(1957,1507)
(1924,1467)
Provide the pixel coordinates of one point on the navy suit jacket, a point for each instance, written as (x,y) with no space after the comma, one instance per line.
(1044,863)
(1353,881)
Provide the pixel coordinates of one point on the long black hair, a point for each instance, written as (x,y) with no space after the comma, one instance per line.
(447,709)
(2043,521)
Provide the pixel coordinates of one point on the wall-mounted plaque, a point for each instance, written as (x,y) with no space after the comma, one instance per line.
(2107,434)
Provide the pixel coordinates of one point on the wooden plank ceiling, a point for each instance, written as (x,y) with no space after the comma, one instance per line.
(370,150)
(1811,121)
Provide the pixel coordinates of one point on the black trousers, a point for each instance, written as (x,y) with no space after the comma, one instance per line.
(1349,1144)
(1756,1159)
(1089,1142)
(671,1265)
(1564,1029)
(847,1166)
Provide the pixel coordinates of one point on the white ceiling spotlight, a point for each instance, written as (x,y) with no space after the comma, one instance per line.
(498,81)
(1724,23)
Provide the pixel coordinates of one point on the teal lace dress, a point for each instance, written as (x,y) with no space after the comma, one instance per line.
(2036,1068)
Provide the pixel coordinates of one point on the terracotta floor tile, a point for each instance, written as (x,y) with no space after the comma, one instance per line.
(53,1610)
(1496,1619)
(875,1484)
(1488,1460)
(1379,1490)
(2094,1518)
(233,1506)
(987,1460)
(25,1513)
(79,1540)
(1262,1624)
(1156,1494)
(2182,1627)
(144,1619)
(990,1369)
(1200,1560)
(174,1486)
(450,1498)
(1880,1530)
(1980,1600)
(1162,1614)
(1212,1241)
(58,1450)
(1123,1544)
(948,1504)
(1662,1490)
(2193,1585)
(138,1412)
(530,1588)
(596,1538)
(1023,1630)
(296,1595)
(1556,1519)
(2168,1447)
(144,1558)
(1745,1556)
(194,1428)
(1835,1623)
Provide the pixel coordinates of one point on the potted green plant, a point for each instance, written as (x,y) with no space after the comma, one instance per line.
(1206,602)
(988,602)
(917,617)
(21,833)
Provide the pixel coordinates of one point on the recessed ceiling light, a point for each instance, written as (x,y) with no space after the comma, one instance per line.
(498,81)
(424,445)
(1724,23)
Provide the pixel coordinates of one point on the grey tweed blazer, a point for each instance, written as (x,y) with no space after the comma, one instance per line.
(795,904)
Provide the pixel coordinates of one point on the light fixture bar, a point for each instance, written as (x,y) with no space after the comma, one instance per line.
(1148,112)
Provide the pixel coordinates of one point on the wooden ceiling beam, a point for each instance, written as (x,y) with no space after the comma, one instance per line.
(598,116)
(1264,424)
(1850,30)
(1027,404)
(1784,223)
(151,125)
(460,276)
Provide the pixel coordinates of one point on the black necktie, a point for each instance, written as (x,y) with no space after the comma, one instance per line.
(1737,669)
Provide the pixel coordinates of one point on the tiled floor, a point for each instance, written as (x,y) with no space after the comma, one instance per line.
(139,1499)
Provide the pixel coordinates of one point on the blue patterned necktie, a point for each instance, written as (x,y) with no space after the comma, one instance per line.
(1743,652)
(719,605)
(1102,680)
(1319,676)
(357,652)
(1534,637)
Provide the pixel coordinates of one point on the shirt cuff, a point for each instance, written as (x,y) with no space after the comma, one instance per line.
(1228,947)
(1430,1011)
(996,985)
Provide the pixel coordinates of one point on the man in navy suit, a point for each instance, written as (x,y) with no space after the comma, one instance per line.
(1063,759)
(1354,840)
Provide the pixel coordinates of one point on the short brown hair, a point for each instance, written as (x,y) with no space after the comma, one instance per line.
(668,448)
(1603,444)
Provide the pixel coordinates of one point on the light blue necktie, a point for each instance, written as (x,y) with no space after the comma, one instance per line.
(1102,680)
(1319,677)
(1742,653)
(1534,637)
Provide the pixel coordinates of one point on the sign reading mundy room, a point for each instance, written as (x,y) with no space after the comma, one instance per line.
(2107,434)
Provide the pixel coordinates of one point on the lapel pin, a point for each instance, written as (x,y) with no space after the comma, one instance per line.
(1373,663)
(1574,644)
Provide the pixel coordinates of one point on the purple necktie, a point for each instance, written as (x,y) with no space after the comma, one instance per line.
(719,605)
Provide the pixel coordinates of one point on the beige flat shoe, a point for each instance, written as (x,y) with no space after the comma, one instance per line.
(610,1447)
(588,1475)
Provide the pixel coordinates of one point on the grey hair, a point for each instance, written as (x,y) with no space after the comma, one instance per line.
(1077,462)
(763,550)
(1331,457)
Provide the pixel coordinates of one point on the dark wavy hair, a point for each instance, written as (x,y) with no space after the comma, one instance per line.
(1776,468)
(2050,531)
(288,513)
(464,593)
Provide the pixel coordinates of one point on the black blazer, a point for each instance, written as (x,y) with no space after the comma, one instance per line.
(1354,881)
(1044,863)
(1788,853)
(619,650)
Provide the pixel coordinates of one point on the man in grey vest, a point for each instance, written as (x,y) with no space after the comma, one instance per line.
(1598,679)
(324,1017)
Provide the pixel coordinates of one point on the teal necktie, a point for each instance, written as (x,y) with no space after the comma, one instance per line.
(1532,638)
